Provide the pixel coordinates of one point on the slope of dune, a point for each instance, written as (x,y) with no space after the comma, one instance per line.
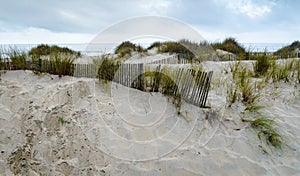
(80,126)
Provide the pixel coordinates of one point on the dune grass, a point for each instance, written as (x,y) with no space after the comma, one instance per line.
(125,49)
(297,70)
(107,69)
(266,129)
(163,81)
(262,64)
(242,87)
(63,64)
(18,58)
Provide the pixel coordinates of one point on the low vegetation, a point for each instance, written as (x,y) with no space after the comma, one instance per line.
(18,58)
(230,45)
(262,65)
(62,64)
(163,81)
(107,69)
(266,130)
(47,50)
(290,51)
(125,49)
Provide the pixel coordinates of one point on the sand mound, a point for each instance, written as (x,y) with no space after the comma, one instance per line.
(78,126)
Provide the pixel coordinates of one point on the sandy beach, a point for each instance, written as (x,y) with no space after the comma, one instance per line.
(80,126)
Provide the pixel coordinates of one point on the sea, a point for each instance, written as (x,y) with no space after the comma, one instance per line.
(96,49)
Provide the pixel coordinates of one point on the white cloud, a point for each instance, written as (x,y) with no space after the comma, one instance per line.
(37,35)
(155,7)
(248,7)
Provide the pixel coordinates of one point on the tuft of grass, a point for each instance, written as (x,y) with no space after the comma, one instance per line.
(249,93)
(297,70)
(17,58)
(232,96)
(62,64)
(283,72)
(108,69)
(235,68)
(262,65)
(163,81)
(267,131)
(61,120)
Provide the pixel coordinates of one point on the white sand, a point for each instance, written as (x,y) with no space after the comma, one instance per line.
(113,130)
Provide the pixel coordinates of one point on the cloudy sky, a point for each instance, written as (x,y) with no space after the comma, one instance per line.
(79,21)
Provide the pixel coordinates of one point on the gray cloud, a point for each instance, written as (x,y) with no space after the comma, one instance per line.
(93,16)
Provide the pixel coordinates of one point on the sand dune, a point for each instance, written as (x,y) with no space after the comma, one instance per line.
(80,126)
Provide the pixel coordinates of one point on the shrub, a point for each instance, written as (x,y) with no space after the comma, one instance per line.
(178,48)
(155,44)
(125,49)
(288,51)
(46,50)
(230,45)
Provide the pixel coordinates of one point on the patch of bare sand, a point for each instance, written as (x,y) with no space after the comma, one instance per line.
(75,126)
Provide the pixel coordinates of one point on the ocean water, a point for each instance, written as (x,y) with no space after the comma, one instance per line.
(102,48)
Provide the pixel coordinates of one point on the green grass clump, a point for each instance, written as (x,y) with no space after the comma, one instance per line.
(287,72)
(108,69)
(242,88)
(297,70)
(249,93)
(232,96)
(163,81)
(267,131)
(262,65)
(18,58)
(62,64)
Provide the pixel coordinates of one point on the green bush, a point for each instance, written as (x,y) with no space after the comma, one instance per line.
(178,48)
(230,45)
(288,51)
(155,44)
(125,49)
(46,50)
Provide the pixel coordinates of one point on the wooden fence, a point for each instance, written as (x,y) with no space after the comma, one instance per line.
(192,86)
(175,59)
